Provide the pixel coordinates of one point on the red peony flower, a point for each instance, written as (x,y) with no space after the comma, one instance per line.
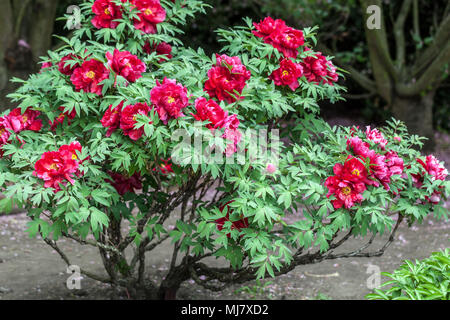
(25,121)
(169,98)
(111,118)
(64,66)
(46,65)
(128,120)
(394,163)
(61,117)
(126,65)
(125,184)
(352,170)
(288,74)
(266,29)
(106,11)
(318,69)
(238,224)
(376,136)
(54,169)
(89,75)
(346,193)
(162,49)
(150,14)
(69,151)
(359,147)
(209,110)
(227,78)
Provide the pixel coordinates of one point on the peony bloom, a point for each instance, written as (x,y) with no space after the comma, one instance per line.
(232,133)
(26,121)
(54,169)
(125,184)
(376,136)
(165,166)
(288,40)
(271,168)
(318,69)
(106,11)
(126,65)
(346,193)
(69,151)
(46,65)
(209,110)
(359,147)
(162,49)
(352,170)
(65,65)
(227,78)
(111,118)
(266,29)
(394,163)
(240,224)
(128,120)
(60,119)
(5,128)
(437,172)
(89,75)
(288,74)
(169,98)
(150,14)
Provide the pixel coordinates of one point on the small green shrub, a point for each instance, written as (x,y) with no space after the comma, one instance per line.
(428,279)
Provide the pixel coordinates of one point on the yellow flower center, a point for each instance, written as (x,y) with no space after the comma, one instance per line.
(148,12)
(53,166)
(90,74)
(170,99)
(346,190)
(1,131)
(356,172)
(285,73)
(288,38)
(134,118)
(25,118)
(107,11)
(74,157)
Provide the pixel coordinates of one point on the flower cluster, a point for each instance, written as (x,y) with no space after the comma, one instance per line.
(285,39)
(149,14)
(58,167)
(365,167)
(125,118)
(125,64)
(432,167)
(227,79)
(316,68)
(209,110)
(16,121)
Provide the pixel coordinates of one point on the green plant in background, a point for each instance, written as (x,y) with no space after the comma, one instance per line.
(427,279)
(257,291)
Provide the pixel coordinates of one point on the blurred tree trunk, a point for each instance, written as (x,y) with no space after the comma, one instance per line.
(26,27)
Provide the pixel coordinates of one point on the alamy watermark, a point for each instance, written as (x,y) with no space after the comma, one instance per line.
(74,280)
(374,20)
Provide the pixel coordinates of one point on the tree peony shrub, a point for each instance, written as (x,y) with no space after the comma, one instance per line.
(224,157)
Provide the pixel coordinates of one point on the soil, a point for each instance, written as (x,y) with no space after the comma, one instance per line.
(30,269)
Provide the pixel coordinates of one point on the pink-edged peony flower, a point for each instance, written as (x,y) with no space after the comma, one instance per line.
(89,75)
(5,130)
(128,120)
(150,14)
(227,79)
(111,118)
(394,163)
(376,136)
(318,69)
(126,65)
(288,74)
(106,11)
(169,99)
